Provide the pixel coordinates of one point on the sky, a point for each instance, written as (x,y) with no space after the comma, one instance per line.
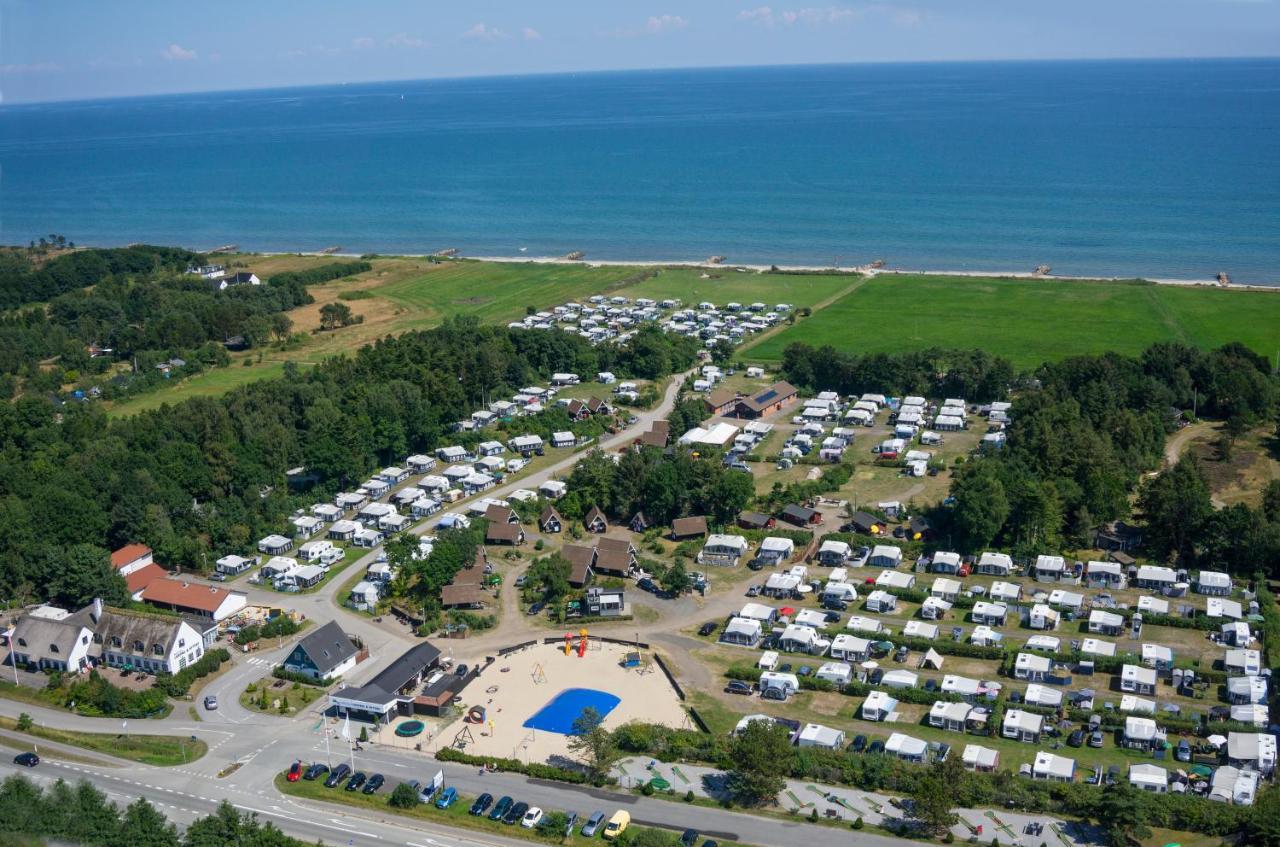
(89,49)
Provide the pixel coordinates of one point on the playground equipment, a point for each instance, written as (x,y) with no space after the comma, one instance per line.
(539,673)
(409,729)
(582,643)
(631,659)
(476,714)
(463,738)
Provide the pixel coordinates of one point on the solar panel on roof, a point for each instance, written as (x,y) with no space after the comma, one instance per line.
(767,396)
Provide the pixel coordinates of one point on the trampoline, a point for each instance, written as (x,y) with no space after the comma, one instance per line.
(561,711)
(409,729)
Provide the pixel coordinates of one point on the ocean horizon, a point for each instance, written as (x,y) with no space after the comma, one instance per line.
(1154,168)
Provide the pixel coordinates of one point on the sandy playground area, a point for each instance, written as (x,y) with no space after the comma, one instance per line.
(518,686)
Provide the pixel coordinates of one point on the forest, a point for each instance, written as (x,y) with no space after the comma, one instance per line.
(207,476)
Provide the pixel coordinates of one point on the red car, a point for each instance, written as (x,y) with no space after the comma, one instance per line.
(295,772)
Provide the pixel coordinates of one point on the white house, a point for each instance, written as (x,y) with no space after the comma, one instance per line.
(1234,785)
(994,564)
(275,545)
(802,639)
(945,562)
(934,608)
(1256,750)
(878,706)
(1105,623)
(858,623)
(895,579)
(1149,778)
(723,549)
(787,683)
(990,614)
(817,735)
(1156,578)
(1005,592)
(1044,643)
(1214,583)
(833,553)
(1053,767)
(1136,679)
(1049,568)
(1022,726)
(1031,667)
(1242,661)
(1097,647)
(1043,617)
(1105,575)
(837,673)
(906,747)
(850,648)
(949,716)
(979,758)
(1042,695)
(885,556)
(147,641)
(945,589)
(881,602)
(920,629)
(900,679)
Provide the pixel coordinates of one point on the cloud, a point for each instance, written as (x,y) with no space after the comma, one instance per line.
(827,15)
(32,68)
(177,53)
(664,23)
(364,42)
(531,34)
(483,32)
(404,39)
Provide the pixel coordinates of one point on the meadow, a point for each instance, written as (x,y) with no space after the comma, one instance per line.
(1031,321)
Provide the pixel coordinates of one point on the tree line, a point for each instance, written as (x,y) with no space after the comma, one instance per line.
(81,814)
(208,476)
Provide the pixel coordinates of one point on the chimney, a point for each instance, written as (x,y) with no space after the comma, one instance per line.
(96,612)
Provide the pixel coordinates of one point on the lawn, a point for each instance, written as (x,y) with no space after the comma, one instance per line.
(1032,321)
(499,292)
(727,285)
(159,750)
(282,697)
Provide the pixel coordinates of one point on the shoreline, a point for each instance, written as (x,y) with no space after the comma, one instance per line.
(863,270)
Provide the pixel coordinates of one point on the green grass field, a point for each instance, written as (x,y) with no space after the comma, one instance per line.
(1032,321)
(496,291)
(159,750)
(726,285)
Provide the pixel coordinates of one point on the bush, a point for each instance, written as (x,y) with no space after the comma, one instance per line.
(404,797)
(533,769)
(688,796)
(300,679)
(24,722)
(857,823)
(180,683)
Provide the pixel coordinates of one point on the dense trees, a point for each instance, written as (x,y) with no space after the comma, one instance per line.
(81,814)
(761,755)
(663,485)
(972,374)
(593,744)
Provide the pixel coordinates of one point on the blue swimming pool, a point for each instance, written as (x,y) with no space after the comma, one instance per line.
(562,710)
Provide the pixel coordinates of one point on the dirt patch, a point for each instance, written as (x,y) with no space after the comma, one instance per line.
(1241,476)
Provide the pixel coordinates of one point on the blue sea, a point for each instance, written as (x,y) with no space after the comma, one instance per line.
(1154,168)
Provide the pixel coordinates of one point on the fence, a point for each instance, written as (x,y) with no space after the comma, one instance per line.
(670,677)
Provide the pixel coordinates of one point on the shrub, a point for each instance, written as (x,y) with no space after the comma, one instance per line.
(25,722)
(857,823)
(300,679)
(404,797)
(688,796)
(533,769)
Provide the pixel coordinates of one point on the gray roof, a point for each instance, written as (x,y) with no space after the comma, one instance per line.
(39,633)
(327,647)
(132,627)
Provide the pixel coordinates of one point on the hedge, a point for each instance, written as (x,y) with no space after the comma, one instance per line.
(293,676)
(533,769)
(180,683)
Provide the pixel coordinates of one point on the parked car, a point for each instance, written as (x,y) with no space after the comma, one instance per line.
(1183,751)
(295,772)
(833,617)
(375,782)
(27,760)
(570,821)
(859,743)
(1113,774)
(753,591)
(521,580)
(447,798)
(688,838)
(337,775)
(738,686)
(315,771)
(617,824)
(427,791)
(876,676)
(707,628)
(537,607)
(593,823)
(481,805)
(785,667)
(357,779)
(501,808)
(835,604)
(877,746)
(515,813)
(531,818)
(1095,739)
(1076,738)
(211,703)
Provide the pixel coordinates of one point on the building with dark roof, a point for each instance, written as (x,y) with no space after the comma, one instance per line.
(391,691)
(326,653)
(771,400)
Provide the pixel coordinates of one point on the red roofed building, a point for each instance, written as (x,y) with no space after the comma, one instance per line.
(130,558)
(189,598)
(142,577)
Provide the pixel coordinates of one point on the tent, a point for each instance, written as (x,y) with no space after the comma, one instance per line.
(932,659)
